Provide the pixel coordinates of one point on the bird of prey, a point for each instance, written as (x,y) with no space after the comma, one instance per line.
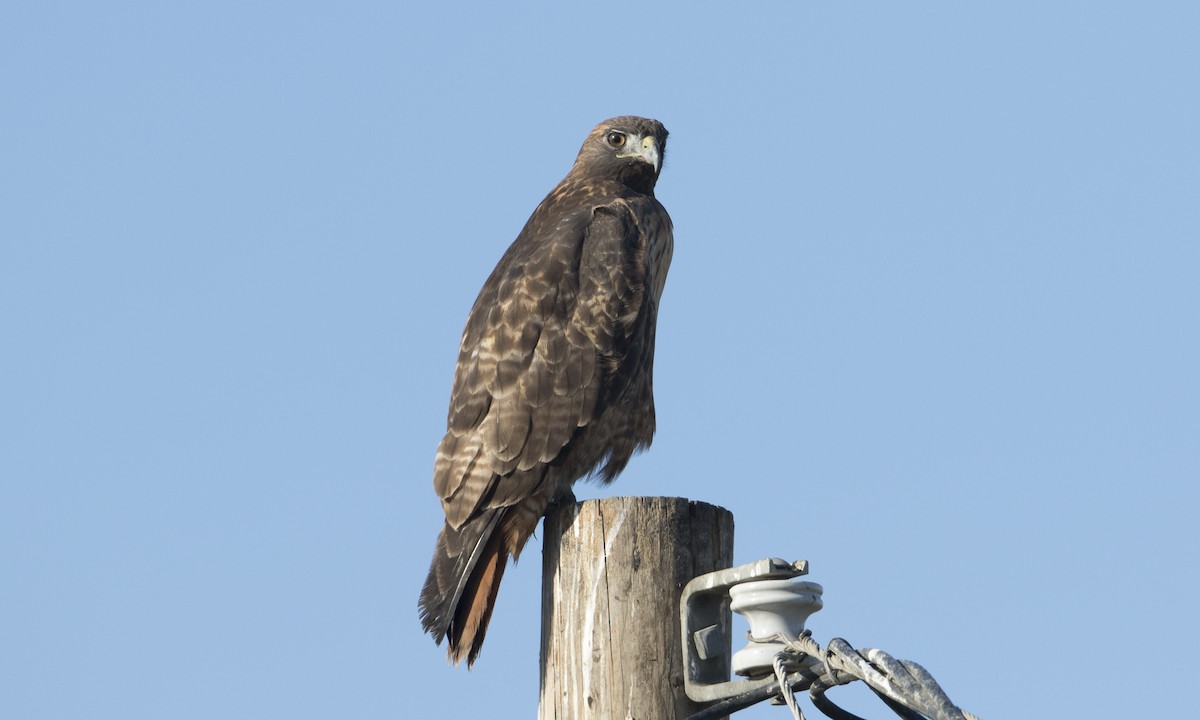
(553,381)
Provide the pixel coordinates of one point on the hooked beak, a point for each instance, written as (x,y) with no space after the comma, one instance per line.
(645,149)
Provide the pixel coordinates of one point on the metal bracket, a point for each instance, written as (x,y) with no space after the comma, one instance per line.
(703,609)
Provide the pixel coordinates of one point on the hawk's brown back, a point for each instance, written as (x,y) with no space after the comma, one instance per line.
(554,373)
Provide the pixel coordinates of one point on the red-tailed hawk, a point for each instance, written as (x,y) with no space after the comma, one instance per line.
(554,371)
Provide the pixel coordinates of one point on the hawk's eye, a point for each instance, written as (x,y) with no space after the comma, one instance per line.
(615,139)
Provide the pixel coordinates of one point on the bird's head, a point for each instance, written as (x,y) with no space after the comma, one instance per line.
(629,149)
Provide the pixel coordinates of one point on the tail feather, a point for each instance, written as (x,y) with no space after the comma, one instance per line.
(460,591)
(474,609)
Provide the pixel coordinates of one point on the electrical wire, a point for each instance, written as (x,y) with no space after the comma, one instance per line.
(905,687)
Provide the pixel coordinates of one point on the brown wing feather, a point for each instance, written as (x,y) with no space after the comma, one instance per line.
(557,337)
(532,362)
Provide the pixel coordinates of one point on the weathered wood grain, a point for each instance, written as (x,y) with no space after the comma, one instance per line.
(612,574)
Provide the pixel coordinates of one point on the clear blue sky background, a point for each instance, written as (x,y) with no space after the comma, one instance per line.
(933,324)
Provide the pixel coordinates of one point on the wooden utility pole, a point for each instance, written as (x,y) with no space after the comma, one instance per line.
(612,573)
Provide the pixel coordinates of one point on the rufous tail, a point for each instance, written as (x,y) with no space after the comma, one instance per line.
(460,591)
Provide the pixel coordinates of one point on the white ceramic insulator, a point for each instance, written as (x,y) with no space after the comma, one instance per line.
(772,607)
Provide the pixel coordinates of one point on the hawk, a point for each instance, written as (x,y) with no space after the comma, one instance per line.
(553,381)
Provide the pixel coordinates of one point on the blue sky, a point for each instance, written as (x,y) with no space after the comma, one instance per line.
(931,324)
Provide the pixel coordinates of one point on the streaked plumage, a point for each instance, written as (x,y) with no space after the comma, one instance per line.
(554,376)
